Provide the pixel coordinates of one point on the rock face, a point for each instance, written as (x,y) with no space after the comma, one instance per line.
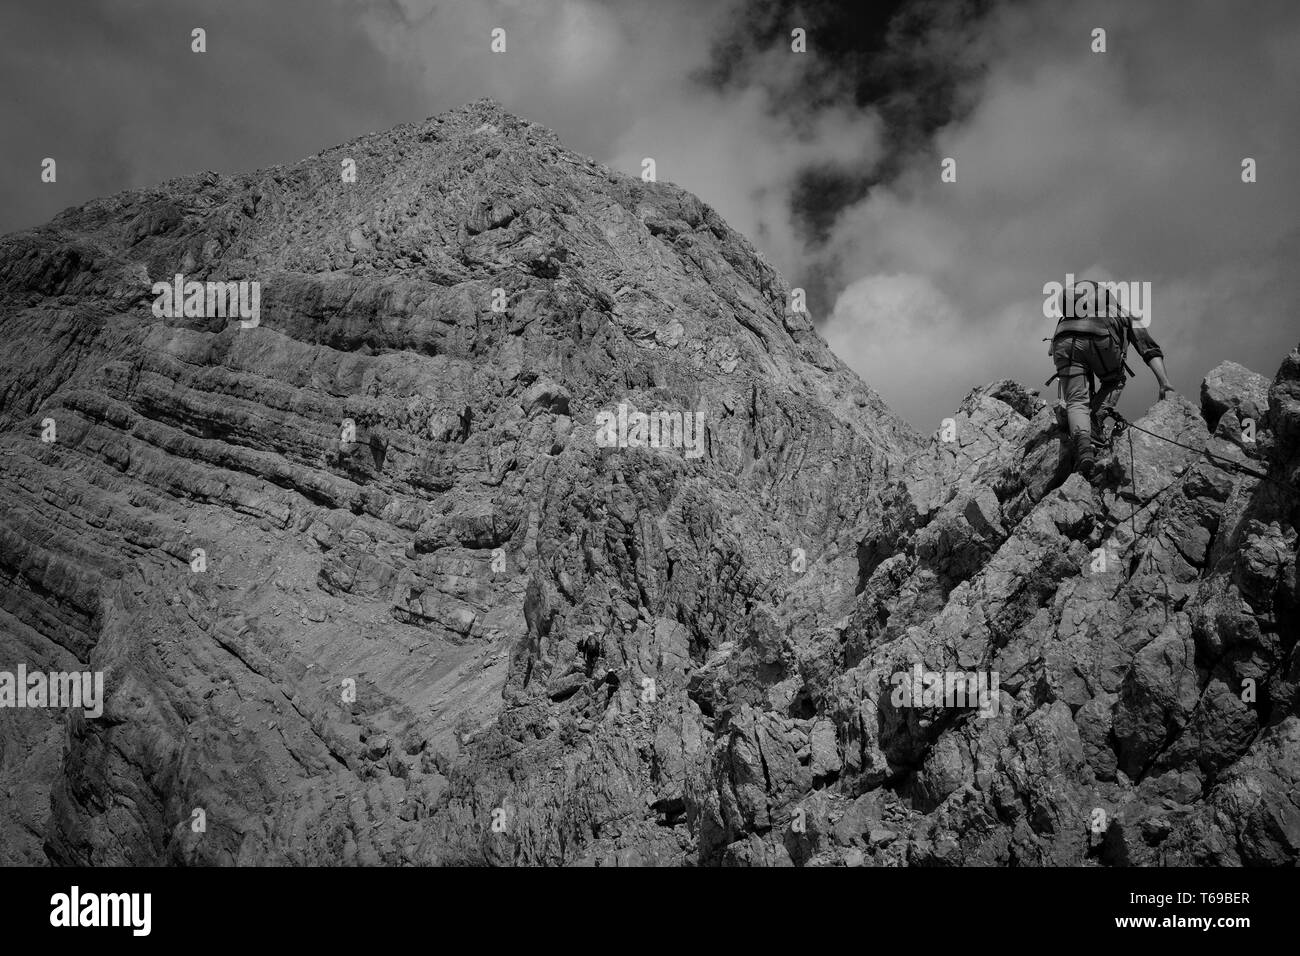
(394,576)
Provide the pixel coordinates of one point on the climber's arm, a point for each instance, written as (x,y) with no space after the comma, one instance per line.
(1157,365)
(1153,355)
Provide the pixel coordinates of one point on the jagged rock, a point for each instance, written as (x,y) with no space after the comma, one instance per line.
(440,622)
(1235,388)
(825,754)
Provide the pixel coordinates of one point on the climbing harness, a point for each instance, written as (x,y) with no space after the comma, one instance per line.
(1073,336)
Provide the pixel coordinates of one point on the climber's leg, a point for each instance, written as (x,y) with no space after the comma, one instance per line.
(1109,370)
(1073,365)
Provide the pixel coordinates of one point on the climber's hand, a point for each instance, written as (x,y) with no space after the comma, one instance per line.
(1166,391)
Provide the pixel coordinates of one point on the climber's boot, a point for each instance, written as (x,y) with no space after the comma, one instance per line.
(1085,461)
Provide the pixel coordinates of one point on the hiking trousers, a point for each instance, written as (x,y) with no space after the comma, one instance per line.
(1091,375)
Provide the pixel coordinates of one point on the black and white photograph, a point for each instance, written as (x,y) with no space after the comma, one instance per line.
(679,436)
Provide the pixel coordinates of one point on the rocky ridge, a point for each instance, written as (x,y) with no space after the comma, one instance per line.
(464,631)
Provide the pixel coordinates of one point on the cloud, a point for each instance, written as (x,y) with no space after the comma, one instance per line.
(746,168)
(1123,164)
(901,326)
(116,96)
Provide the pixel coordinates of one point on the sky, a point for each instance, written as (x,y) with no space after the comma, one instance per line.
(1121,164)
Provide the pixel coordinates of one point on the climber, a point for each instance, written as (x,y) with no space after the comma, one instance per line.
(1089,348)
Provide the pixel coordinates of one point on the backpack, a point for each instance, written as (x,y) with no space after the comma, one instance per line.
(1112,325)
(1117,325)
